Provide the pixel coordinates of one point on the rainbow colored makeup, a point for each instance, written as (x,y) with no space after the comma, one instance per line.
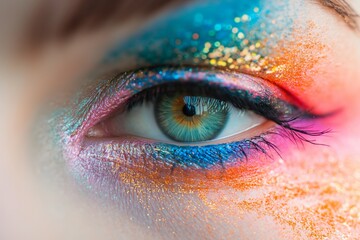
(250,55)
(242,37)
(203,46)
(236,54)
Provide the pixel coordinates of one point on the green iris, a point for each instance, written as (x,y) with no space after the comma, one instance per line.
(191,118)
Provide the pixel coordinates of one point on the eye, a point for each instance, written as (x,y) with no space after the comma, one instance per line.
(180,113)
(189,118)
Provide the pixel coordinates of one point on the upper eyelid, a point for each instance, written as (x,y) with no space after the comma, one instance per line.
(119,79)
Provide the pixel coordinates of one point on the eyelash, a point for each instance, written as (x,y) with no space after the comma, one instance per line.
(266,105)
(282,113)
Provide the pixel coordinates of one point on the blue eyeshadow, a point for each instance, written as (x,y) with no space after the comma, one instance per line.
(220,33)
(201,157)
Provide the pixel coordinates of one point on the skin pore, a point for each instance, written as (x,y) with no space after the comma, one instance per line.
(311,192)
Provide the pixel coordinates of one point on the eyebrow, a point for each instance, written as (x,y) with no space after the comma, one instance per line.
(344,10)
(88,15)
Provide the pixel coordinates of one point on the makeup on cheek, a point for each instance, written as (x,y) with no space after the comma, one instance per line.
(307,196)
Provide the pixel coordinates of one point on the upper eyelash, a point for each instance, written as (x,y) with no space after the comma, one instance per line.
(266,106)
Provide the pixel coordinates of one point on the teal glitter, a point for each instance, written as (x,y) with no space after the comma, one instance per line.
(233,33)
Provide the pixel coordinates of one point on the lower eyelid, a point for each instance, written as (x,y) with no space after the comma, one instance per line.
(132,161)
(132,151)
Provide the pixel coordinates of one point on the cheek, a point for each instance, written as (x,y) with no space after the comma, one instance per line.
(314,195)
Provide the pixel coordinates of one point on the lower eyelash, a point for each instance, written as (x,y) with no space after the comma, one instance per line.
(227,154)
(135,153)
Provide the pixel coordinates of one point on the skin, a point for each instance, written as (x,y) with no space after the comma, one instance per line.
(34,207)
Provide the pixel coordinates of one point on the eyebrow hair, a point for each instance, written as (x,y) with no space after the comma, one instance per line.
(48,23)
(344,10)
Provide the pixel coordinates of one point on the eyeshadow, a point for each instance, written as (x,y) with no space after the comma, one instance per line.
(275,42)
(117,89)
(243,37)
(197,157)
(216,36)
(233,34)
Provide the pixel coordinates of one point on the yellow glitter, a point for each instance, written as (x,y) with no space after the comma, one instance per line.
(221,63)
(237,19)
(213,62)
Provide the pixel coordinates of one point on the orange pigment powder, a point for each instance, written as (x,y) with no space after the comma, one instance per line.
(316,199)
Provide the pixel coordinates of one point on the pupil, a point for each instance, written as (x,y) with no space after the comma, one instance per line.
(189,110)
